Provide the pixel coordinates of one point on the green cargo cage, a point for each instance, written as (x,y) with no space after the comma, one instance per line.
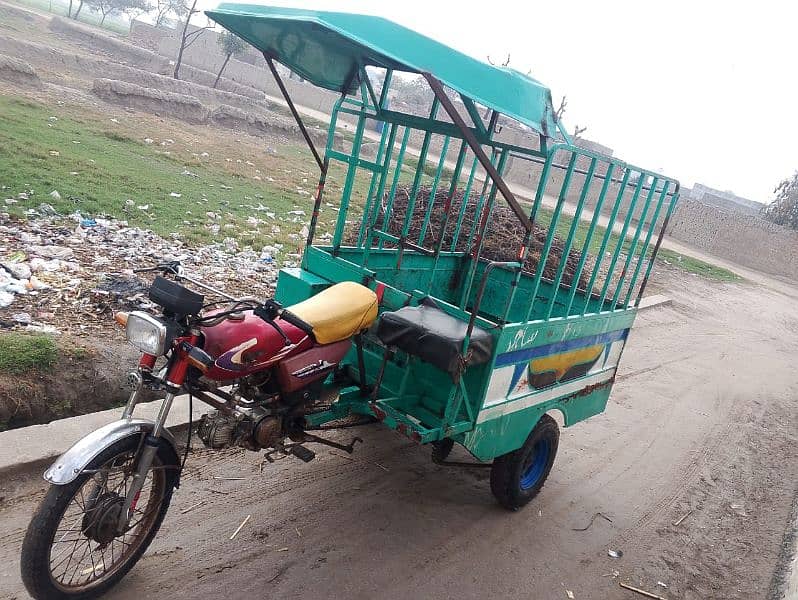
(494,309)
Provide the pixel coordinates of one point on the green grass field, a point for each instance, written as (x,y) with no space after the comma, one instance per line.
(104,167)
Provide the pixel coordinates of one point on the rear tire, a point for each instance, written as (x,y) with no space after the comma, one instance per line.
(43,556)
(518,476)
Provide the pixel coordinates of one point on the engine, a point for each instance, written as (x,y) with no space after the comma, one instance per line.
(252,429)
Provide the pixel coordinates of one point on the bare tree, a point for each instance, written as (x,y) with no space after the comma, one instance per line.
(187,38)
(784,208)
(134,9)
(164,9)
(77,12)
(231,45)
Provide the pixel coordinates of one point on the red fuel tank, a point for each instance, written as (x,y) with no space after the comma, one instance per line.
(241,346)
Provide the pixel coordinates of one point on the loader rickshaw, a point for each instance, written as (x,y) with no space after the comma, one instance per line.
(469,270)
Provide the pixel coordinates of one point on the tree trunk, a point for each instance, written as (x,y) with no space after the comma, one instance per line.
(102,21)
(219,76)
(77,12)
(183,41)
(69,10)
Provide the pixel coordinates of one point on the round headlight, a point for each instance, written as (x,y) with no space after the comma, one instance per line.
(146,333)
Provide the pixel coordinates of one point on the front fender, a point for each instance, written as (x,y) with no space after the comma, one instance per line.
(71,463)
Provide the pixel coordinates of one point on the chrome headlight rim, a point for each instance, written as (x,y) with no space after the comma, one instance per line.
(138,322)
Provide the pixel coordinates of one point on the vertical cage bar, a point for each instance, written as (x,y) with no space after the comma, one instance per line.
(589,238)
(447,209)
(483,226)
(374,214)
(480,202)
(662,231)
(566,251)
(463,205)
(635,239)
(528,238)
(544,254)
(621,240)
(375,177)
(400,158)
(434,190)
(349,181)
(641,259)
(605,240)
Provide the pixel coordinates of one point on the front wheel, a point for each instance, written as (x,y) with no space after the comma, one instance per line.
(518,476)
(73,549)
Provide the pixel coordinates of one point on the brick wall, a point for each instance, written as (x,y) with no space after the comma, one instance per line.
(744,239)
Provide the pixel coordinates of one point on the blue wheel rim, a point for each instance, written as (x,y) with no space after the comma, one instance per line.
(538,460)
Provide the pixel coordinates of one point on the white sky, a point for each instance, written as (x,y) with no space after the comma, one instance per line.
(706,91)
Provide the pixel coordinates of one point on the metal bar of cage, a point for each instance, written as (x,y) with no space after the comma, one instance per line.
(566,251)
(544,254)
(646,242)
(621,240)
(588,239)
(633,245)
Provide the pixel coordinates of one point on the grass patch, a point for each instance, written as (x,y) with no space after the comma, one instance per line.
(103,168)
(21,353)
(699,267)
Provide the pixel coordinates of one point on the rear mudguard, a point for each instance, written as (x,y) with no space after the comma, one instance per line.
(72,462)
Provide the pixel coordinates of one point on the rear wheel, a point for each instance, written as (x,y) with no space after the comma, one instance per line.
(518,476)
(72,548)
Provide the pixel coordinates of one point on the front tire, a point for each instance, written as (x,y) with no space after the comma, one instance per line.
(518,476)
(72,536)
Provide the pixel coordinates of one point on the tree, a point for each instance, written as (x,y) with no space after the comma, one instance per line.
(77,12)
(164,9)
(135,8)
(784,208)
(231,45)
(109,7)
(187,38)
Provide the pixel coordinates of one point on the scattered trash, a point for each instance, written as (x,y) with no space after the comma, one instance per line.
(381,467)
(615,553)
(570,594)
(23,318)
(282,549)
(148,140)
(240,527)
(230,478)
(79,269)
(661,584)
(641,592)
(175,195)
(55,153)
(678,521)
(593,518)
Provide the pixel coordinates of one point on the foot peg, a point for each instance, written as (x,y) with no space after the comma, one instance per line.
(303,453)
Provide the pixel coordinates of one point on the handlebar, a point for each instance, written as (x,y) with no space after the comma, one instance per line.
(271,309)
(290,317)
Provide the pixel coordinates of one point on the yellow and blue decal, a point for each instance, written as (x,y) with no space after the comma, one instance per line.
(539,373)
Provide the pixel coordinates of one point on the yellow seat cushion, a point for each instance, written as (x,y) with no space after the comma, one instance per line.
(338,312)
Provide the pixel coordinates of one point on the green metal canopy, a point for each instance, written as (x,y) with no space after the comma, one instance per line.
(327,49)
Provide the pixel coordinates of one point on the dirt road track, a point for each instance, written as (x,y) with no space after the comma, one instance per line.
(701,422)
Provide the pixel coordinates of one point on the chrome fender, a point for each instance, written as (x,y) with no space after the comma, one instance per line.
(71,463)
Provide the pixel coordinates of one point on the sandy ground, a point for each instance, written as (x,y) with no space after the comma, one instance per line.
(701,422)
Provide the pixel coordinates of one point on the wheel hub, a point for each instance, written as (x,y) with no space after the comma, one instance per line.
(100,522)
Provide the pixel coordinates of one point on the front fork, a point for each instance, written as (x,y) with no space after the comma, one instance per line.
(146,454)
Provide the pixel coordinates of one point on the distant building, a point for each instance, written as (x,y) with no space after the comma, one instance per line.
(724,199)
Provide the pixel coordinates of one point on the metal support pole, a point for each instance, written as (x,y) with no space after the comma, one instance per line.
(294,112)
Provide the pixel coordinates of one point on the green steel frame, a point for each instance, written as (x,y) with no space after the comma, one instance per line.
(605,211)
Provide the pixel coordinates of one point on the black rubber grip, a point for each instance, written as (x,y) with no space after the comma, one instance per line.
(290,317)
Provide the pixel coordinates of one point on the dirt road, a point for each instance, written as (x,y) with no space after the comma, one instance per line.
(702,423)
